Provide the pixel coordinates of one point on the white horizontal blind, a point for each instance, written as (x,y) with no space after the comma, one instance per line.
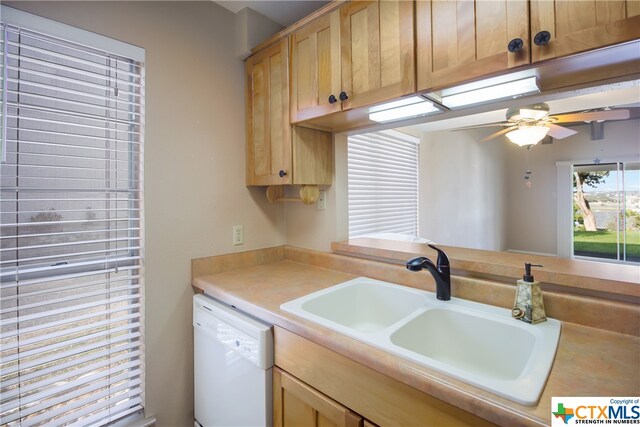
(383,183)
(70,233)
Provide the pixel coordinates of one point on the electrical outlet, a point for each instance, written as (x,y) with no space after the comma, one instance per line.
(322,200)
(238,235)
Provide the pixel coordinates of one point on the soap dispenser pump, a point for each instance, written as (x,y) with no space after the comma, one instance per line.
(528,305)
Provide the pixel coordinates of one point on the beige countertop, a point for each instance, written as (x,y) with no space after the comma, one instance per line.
(589,361)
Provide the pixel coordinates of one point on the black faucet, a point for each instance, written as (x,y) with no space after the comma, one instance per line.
(440,272)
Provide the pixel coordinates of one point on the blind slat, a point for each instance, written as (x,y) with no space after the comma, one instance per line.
(87,388)
(90,360)
(48,313)
(49,325)
(64,332)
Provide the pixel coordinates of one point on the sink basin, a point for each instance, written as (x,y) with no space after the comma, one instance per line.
(470,342)
(363,305)
(475,343)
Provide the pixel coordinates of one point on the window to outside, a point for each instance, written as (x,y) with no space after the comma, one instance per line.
(606,211)
(383,183)
(71,232)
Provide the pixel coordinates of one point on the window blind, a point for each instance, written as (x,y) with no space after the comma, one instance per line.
(71,236)
(383,183)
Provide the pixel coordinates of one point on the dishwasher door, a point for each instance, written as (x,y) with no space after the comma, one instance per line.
(233,359)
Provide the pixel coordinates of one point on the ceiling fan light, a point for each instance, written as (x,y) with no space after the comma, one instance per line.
(528,113)
(527,135)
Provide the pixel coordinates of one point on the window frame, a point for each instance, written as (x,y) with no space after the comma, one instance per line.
(99,266)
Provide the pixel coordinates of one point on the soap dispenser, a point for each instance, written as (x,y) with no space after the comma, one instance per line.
(528,305)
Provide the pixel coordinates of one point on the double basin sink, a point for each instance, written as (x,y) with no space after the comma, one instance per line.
(476,343)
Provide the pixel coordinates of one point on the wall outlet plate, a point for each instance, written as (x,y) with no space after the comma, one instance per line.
(322,200)
(238,235)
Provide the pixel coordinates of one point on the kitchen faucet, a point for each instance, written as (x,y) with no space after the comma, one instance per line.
(440,272)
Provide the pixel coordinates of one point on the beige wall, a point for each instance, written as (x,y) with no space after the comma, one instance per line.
(194,168)
(309,227)
(532,212)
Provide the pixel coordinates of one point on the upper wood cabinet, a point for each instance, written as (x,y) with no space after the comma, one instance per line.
(315,68)
(377,51)
(296,404)
(278,154)
(577,26)
(358,55)
(461,40)
(267,114)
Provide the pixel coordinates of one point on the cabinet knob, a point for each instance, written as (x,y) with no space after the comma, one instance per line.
(542,38)
(282,173)
(515,45)
(343,96)
(332,99)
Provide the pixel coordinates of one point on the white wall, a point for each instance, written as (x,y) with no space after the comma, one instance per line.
(462,197)
(194,168)
(531,224)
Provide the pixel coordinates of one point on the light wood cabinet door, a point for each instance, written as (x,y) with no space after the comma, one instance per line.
(377,51)
(295,404)
(315,68)
(577,26)
(461,40)
(312,156)
(267,113)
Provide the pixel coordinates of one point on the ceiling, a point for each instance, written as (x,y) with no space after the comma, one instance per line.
(284,13)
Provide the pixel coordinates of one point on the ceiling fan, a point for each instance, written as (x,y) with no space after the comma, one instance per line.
(528,125)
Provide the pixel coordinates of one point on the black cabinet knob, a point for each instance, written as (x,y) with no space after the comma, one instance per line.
(332,99)
(542,38)
(282,173)
(515,45)
(343,96)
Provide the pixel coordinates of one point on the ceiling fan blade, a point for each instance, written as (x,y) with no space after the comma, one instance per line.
(484,126)
(559,132)
(621,114)
(497,134)
(634,112)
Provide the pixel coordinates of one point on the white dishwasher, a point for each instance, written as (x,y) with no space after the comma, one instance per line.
(233,361)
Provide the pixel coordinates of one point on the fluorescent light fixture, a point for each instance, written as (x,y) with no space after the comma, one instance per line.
(489,93)
(527,135)
(401,109)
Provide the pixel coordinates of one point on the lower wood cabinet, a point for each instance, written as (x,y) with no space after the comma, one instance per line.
(295,404)
(315,386)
